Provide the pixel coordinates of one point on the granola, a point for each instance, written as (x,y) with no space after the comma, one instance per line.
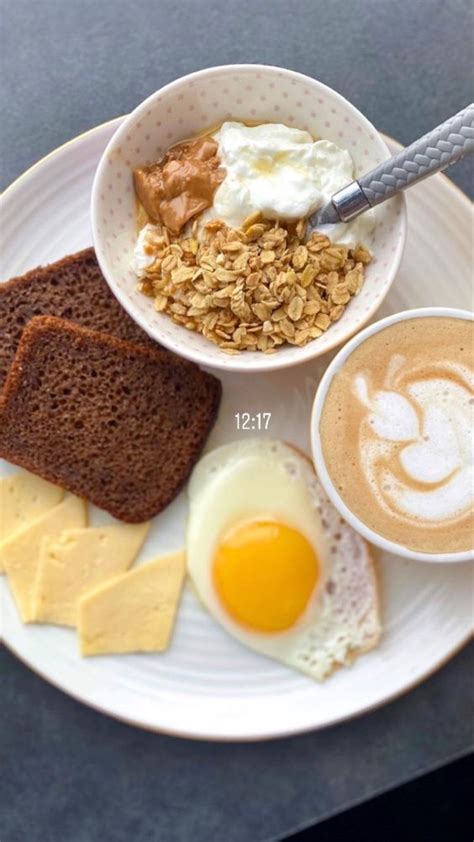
(253,288)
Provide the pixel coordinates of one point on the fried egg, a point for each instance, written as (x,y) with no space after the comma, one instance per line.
(273,562)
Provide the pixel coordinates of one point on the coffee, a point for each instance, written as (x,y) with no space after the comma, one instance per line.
(397,433)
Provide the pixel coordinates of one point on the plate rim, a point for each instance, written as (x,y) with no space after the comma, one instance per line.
(179,732)
(252,738)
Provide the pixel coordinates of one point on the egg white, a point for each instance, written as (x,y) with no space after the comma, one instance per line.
(266,479)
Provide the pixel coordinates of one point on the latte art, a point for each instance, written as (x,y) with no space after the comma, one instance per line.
(415,445)
(397,433)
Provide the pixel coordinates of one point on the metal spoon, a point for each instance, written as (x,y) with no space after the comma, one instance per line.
(434,151)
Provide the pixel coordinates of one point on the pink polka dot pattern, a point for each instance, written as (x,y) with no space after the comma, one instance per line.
(206,99)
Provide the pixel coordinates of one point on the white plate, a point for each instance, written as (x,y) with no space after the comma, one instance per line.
(207,685)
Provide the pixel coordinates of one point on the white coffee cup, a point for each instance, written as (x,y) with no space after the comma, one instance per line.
(317,450)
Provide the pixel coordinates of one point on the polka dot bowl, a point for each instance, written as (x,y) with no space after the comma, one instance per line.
(203,100)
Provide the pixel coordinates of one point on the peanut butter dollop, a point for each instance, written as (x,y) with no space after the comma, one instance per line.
(182,184)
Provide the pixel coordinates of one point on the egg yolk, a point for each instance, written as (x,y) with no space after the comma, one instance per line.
(265,573)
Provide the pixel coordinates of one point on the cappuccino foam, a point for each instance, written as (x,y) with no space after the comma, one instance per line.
(397,433)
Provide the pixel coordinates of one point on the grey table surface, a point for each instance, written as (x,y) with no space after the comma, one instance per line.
(71,774)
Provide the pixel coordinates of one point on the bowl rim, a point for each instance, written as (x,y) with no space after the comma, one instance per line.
(316,445)
(242,363)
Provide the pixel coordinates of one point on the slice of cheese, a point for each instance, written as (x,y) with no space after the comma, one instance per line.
(23,498)
(20,553)
(134,612)
(81,559)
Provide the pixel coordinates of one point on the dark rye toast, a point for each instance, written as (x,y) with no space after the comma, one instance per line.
(116,423)
(72,288)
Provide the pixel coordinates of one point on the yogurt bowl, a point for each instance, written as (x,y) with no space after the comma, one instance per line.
(204,100)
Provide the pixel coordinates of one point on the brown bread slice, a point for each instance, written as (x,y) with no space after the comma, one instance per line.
(72,288)
(116,423)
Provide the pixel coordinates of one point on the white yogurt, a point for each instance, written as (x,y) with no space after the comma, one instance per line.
(283,173)
(141,259)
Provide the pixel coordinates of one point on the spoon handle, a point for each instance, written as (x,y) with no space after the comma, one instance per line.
(434,151)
